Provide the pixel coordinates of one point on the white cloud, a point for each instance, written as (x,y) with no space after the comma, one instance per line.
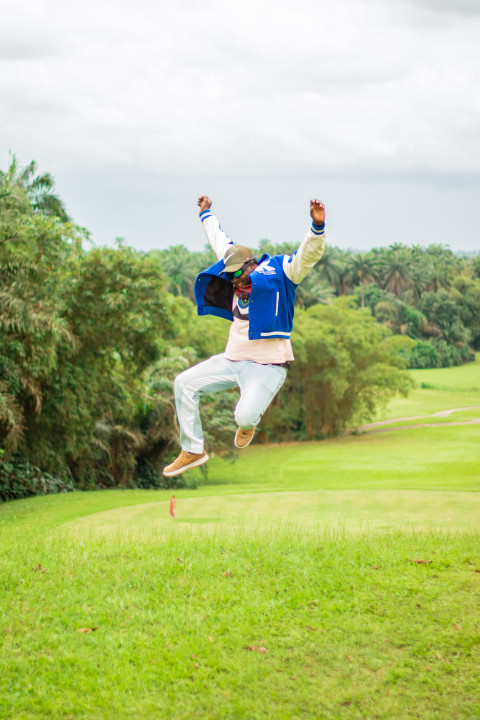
(246,89)
(452,7)
(246,86)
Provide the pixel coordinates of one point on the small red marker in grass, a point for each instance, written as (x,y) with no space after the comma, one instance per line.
(172,511)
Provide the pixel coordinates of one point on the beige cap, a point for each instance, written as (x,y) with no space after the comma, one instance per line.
(236,257)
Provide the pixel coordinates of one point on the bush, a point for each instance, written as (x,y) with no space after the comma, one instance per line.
(438,353)
(347,365)
(21,479)
(424,355)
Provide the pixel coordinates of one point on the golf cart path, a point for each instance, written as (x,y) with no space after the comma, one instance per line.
(380,426)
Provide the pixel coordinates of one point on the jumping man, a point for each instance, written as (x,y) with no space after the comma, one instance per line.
(258,296)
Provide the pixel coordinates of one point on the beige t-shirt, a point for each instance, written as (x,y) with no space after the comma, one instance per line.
(263,351)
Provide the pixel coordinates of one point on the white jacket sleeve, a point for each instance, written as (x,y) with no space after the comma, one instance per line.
(218,240)
(298,265)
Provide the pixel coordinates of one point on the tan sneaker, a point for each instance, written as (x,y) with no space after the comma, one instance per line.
(185,461)
(244,437)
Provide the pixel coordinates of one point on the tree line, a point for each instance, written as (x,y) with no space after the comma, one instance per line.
(426,293)
(91,339)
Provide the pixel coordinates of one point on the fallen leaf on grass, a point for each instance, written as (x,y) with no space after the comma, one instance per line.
(376,567)
(256,648)
(421,562)
(438,656)
(39,568)
(227,573)
(85,631)
(180,561)
(197,665)
(457,626)
(309,627)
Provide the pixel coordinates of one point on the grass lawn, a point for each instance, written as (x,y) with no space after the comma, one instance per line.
(440,458)
(328,580)
(274,622)
(439,389)
(462,377)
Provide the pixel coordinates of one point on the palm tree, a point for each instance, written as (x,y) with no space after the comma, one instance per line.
(475,265)
(439,275)
(20,187)
(362,272)
(313,291)
(180,270)
(395,269)
(29,318)
(334,268)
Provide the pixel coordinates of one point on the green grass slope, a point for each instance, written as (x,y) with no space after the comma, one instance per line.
(338,579)
(437,390)
(270,622)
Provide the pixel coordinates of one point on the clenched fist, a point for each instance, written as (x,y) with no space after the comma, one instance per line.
(204,203)
(317,212)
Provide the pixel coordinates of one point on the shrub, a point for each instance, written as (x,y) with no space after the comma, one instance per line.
(21,479)
(438,353)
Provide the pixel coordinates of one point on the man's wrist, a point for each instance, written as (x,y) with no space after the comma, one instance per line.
(318,229)
(204,214)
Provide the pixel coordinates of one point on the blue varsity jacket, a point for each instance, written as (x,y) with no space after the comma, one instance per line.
(272,298)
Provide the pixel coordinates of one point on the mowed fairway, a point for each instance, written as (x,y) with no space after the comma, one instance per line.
(338,579)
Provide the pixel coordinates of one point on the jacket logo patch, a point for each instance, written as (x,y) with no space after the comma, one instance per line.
(266,269)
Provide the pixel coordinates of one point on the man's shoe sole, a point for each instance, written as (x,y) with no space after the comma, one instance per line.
(196,463)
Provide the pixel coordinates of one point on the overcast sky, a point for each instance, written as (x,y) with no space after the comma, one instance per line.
(137,108)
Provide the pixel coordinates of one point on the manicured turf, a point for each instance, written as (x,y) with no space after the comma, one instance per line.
(338,579)
(440,389)
(462,377)
(353,510)
(255,623)
(440,458)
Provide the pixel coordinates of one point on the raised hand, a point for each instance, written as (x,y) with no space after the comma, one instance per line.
(317,212)
(204,203)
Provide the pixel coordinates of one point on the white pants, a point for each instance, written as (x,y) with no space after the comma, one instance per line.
(258,386)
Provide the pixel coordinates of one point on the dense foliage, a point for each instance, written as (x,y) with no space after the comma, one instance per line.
(346,366)
(90,342)
(91,339)
(426,293)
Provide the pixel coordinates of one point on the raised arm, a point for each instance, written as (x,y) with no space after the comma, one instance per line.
(298,265)
(218,240)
